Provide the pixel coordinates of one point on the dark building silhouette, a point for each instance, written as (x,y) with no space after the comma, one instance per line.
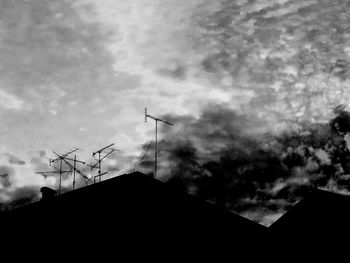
(319,210)
(47,194)
(132,212)
(137,216)
(321,220)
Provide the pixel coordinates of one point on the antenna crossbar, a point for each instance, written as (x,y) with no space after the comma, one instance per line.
(93,166)
(104,148)
(53,172)
(157,119)
(63,155)
(99,176)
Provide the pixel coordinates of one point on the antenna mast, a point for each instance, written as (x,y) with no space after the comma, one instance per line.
(74,168)
(64,158)
(98,164)
(156,134)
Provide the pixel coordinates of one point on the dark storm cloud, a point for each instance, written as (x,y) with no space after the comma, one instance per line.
(220,158)
(39,158)
(175,69)
(12,196)
(5,177)
(25,195)
(20,196)
(12,159)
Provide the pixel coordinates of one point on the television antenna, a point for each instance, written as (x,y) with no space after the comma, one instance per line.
(60,171)
(65,159)
(74,168)
(98,164)
(156,133)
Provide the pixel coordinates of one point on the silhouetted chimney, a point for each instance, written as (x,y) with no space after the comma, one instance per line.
(47,193)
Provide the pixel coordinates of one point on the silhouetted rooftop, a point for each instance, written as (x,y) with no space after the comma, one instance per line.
(133,210)
(321,219)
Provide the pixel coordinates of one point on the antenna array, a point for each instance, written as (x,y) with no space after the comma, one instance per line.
(67,160)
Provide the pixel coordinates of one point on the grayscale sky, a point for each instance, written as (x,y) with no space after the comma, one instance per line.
(79,73)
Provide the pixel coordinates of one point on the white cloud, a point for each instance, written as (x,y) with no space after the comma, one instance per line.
(290,9)
(53,112)
(9,101)
(259,5)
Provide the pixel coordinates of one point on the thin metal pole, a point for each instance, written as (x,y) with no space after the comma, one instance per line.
(59,189)
(156,147)
(99,165)
(75,161)
(156,152)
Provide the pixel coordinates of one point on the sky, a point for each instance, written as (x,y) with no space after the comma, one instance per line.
(78,74)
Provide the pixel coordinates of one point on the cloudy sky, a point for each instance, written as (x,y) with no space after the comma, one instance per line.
(79,74)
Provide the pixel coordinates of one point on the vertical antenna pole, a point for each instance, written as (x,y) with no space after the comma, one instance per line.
(59,188)
(99,165)
(156,152)
(75,161)
(156,131)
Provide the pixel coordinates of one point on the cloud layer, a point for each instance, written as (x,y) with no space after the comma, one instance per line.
(259,175)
